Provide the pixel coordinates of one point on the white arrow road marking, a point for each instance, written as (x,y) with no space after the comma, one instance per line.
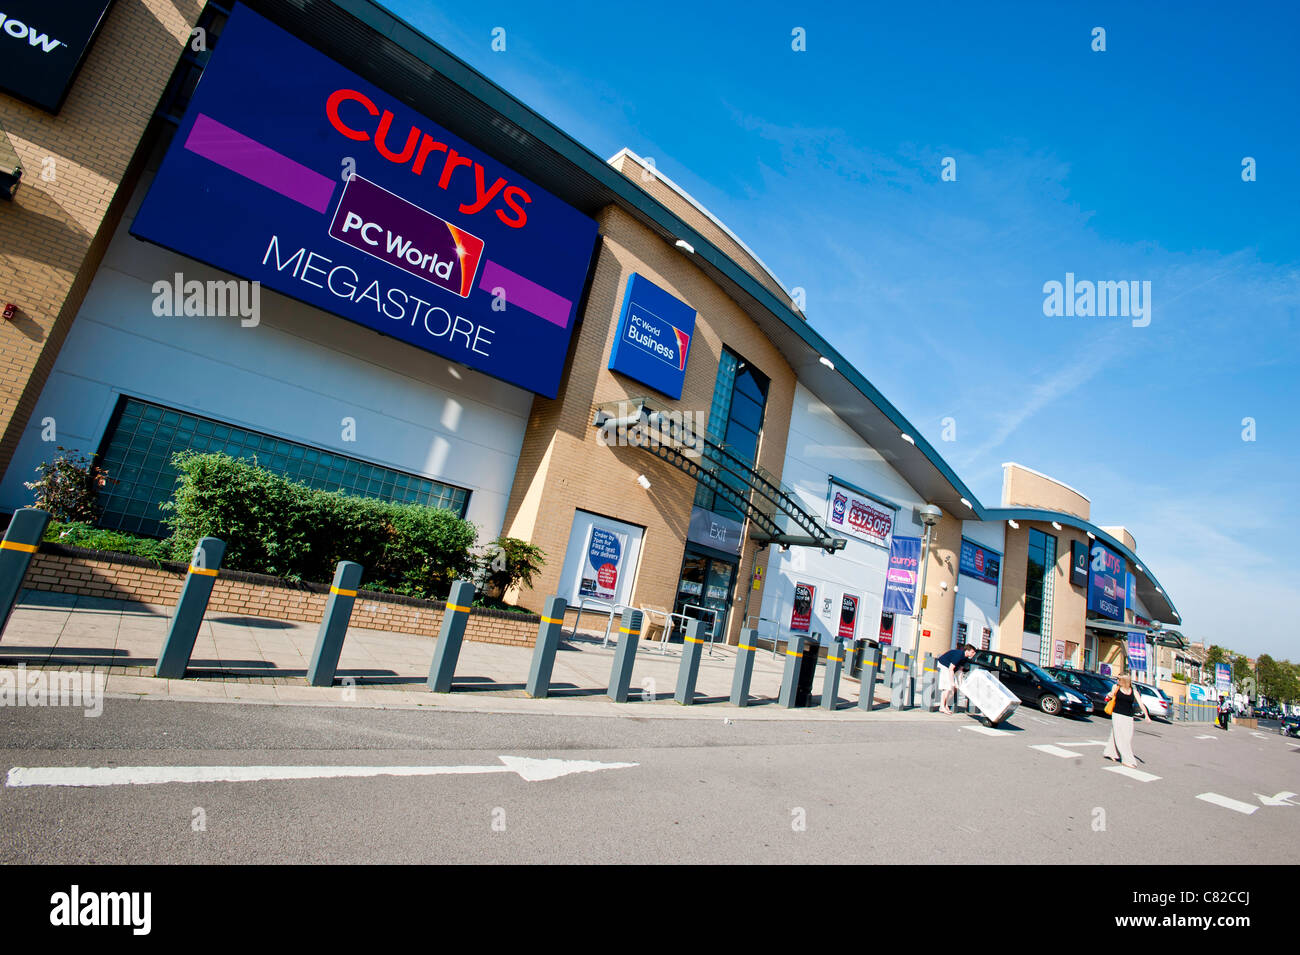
(1132,773)
(986,730)
(1260,735)
(1056,751)
(1279,800)
(1233,804)
(1091,742)
(529,769)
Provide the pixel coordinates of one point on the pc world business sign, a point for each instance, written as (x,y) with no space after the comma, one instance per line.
(291,170)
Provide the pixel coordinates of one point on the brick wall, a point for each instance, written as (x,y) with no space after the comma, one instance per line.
(54,233)
(93,574)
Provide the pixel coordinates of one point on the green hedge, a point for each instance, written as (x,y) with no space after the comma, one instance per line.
(96,538)
(272,525)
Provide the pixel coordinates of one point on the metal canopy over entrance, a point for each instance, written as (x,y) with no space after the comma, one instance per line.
(753,491)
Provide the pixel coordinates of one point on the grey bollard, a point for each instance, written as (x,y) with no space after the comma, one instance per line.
(902,677)
(740,680)
(177,649)
(689,668)
(548,641)
(443,669)
(929,684)
(793,661)
(21,540)
(831,681)
(870,669)
(334,625)
(620,674)
(888,656)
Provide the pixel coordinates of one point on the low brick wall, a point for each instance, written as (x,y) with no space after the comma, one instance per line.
(74,570)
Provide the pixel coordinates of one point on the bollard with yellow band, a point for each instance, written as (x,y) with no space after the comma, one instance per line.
(929,700)
(178,647)
(901,676)
(831,681)
(689,668)
(793,668)
(26,528)
(620,674)
(548,641)
(888,657)
(334,625)
(870,670)
(443,669)
(740,680)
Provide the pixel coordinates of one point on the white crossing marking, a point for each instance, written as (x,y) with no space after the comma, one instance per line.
(529,769)
(1260,735)
(986,730)
(1132,773)
(1056,751)
(1281,799)
(1091,742)
(1207,737)
(1039,719)
(1233,804)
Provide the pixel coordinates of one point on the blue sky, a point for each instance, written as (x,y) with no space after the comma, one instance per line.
(1116,165)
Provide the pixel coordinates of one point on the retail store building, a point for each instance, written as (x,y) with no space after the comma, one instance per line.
(460,305)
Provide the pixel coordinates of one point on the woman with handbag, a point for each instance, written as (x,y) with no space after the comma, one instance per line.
(1122,703)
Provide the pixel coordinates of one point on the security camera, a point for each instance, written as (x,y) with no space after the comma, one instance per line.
(943,585)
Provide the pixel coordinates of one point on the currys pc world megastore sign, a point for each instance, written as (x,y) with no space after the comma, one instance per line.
(325,188)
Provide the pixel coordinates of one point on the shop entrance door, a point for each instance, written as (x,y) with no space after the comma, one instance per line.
(704,592)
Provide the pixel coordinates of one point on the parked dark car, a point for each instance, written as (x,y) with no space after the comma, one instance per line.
(1093,686)
(1032,684)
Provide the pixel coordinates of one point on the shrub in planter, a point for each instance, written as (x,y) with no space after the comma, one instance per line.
(509,562)
(68,487)
(97,538)
(275,526)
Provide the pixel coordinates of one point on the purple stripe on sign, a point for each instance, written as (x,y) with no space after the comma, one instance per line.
(526,293)
(263,165)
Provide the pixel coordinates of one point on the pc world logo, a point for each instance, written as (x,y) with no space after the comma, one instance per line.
(21,31)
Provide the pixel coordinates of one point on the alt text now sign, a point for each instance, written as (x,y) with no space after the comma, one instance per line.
(291,170)
(43,44)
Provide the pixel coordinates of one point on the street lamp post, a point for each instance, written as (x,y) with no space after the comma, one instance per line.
(929,515)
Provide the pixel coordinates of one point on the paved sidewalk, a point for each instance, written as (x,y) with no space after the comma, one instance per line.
(259,659)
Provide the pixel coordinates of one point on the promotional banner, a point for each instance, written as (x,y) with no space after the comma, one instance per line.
(43,44)
(801,614)
(886,629)
(605,550)
(292,171)
(1137,652)
(1079,563)
(980,562)
(859,516)
(1130,591)
(848,616)
(1058,653)
(654,337)
(1106,582)
(900,578)
(1222,677)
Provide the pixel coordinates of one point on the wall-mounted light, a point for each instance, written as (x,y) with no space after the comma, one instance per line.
(1014,526)
(1056,525)
(643,481)
(685,246)
(1091,536)
(907,437)
(967,504)
(827,362)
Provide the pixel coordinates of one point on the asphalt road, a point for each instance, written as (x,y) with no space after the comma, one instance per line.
(932,790)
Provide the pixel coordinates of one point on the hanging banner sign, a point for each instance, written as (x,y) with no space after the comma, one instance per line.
(1222,677)
(980,562)
(1137,652)
(900,578)
(605,549)
(801,614)
(848,616)
(290,170)
(859,516)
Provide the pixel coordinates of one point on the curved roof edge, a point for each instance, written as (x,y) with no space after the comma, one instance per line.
(1153,594)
